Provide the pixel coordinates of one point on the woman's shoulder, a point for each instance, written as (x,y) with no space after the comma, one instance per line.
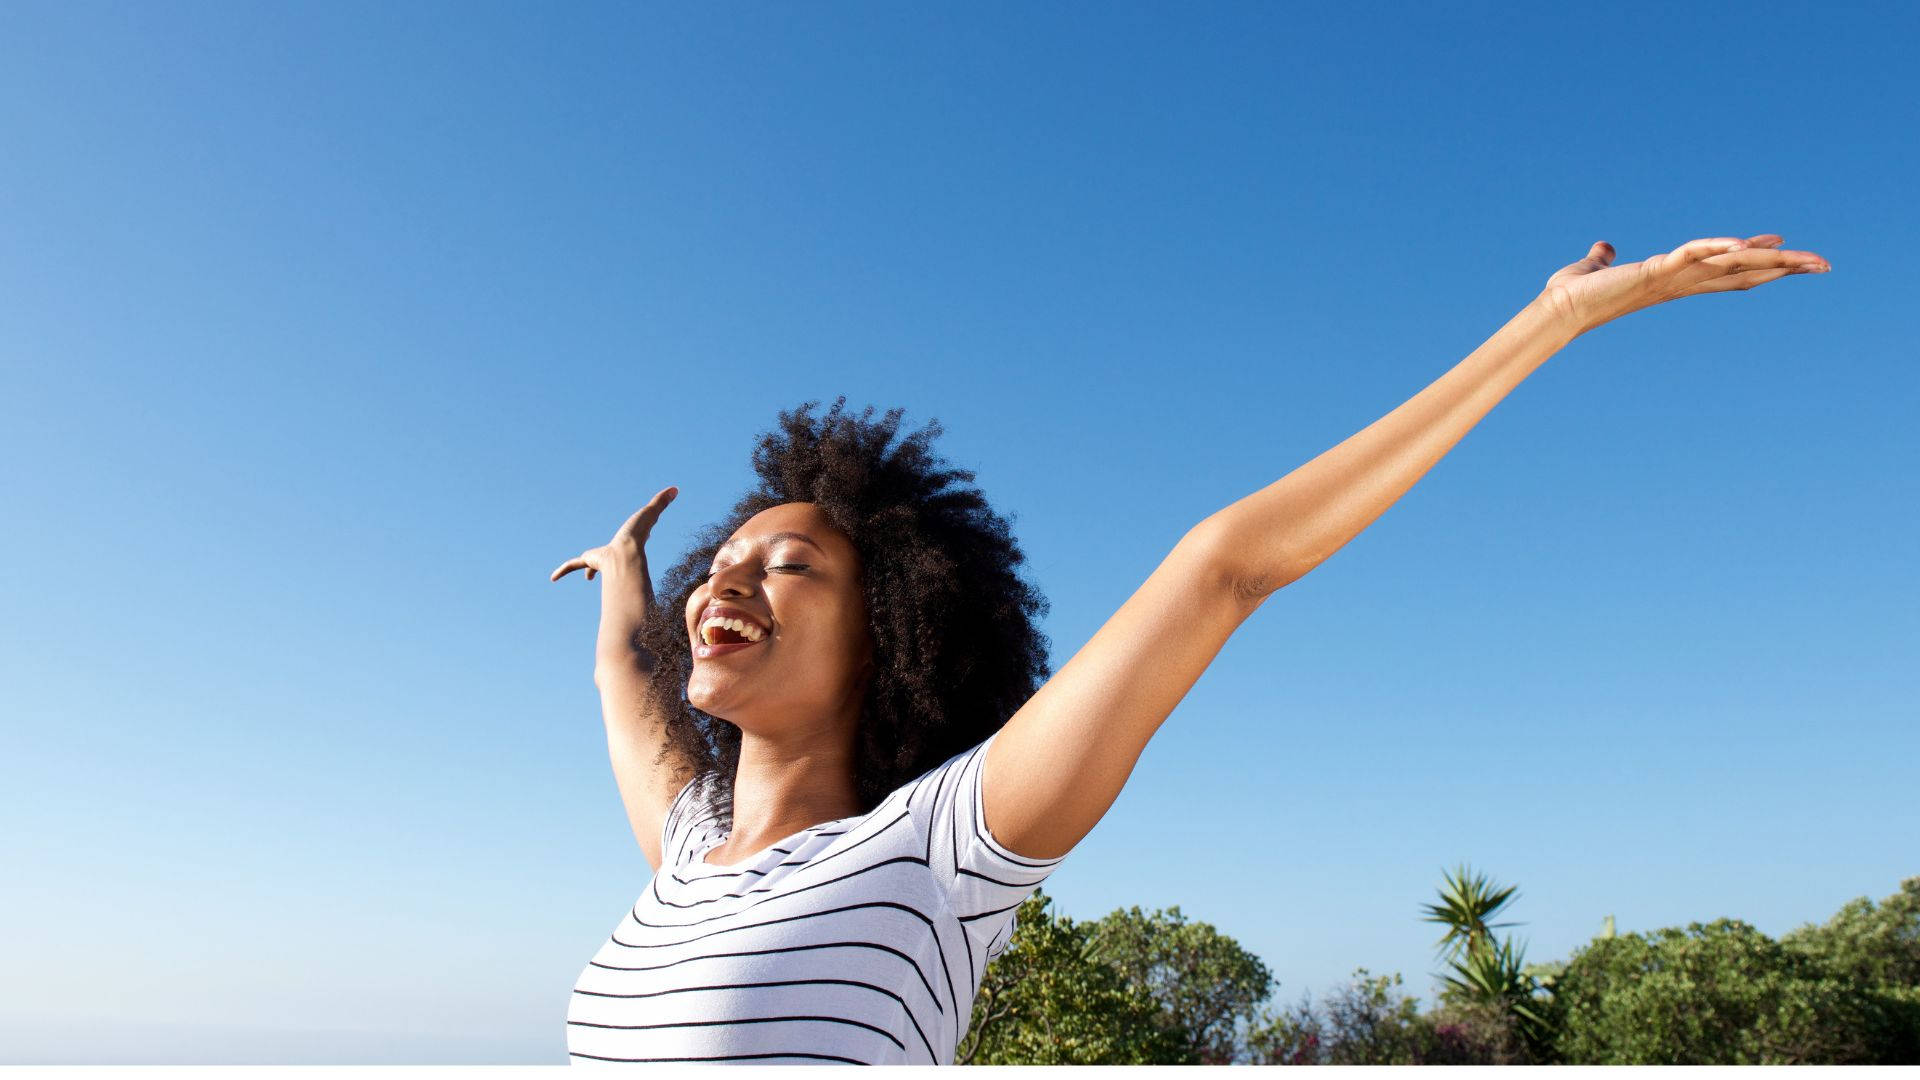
(936,780)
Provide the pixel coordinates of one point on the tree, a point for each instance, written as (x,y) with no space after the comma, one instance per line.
(1152,988)
(1868,945)
(1719,993)
(1049,999)
(1876,950)
(1205,983)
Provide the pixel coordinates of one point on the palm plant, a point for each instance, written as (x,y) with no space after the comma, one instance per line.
(1466,903)
(1486,970)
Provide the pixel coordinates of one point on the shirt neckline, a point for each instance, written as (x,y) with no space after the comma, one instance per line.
(700,853)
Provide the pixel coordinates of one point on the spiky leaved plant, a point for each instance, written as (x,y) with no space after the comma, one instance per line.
(1486,970)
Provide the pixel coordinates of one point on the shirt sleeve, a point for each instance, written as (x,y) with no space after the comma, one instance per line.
(984,881)
(688,820)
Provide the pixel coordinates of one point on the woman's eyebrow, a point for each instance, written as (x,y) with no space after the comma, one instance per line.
(773,538)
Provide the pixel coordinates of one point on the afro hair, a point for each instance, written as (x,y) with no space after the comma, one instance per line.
(956,646)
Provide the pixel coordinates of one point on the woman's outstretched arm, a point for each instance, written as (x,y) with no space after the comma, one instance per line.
(1284,530)
(1281,532)
(1056,767)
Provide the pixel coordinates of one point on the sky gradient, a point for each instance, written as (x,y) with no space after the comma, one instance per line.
(331,329)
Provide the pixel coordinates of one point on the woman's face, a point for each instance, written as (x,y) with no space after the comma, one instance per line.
(797,577)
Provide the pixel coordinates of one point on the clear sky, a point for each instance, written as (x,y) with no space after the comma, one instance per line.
(328,330)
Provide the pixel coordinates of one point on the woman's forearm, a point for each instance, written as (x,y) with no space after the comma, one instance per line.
(636,730)
(1279,533)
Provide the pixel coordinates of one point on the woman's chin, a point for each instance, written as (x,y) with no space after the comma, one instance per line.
(714,693)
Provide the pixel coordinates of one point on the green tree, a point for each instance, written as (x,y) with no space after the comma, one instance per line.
(1877,950)
(1050,999)
(1205,983)
(1872,946)
(1719,993)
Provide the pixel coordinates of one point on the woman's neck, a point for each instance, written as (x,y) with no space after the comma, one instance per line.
(783,786)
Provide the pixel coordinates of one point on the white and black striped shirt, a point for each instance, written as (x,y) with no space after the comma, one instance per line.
(861,940)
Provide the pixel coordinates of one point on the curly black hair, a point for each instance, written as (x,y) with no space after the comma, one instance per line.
(957,649)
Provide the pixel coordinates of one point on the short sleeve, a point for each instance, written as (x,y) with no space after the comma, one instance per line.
(687,817)
(984,881)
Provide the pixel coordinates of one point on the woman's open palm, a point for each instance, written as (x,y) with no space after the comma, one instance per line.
(1594,290)
(626,586)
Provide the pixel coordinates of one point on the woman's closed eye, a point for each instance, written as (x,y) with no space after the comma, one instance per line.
(782,566)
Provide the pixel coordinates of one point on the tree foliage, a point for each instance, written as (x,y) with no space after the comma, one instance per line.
(1365,1022)
(1868,945)
(1719,993)
(1369,1022)
(1204,982)
(1050,999)
(1142,988)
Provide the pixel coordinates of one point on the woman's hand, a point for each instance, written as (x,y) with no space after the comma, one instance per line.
(1593,291)
(626,589)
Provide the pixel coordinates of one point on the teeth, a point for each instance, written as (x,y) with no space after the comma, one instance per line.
(738,626)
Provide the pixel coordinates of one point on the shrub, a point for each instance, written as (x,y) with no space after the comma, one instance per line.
(1363,1023)
(1720,993)
(1473,1033)
(1050,999)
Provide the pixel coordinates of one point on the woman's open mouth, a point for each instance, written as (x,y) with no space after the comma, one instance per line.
(702,652)
(721,636)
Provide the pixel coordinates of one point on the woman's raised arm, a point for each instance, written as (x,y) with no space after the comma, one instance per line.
(1279,533)
(646,769)
(1059,763)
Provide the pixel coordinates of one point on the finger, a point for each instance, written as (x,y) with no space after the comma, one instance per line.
(1764,259)
(1741,281)
(1699,250)
(640,525)
(586,560)
(1772,240)
(1599,256)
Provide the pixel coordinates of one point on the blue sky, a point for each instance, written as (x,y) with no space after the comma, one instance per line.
(329,330)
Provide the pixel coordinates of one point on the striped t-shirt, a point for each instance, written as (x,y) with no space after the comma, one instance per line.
(861,940)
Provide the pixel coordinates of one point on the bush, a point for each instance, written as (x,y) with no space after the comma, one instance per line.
(1472,1033)
(1206,984)
(1868,945)
(1363,1023)
(1875,949)
(1720,993)
(1050,999)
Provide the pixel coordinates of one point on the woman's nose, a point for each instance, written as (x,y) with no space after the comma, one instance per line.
(733,580)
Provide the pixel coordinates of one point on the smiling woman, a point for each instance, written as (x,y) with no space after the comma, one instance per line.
(899,630)
(801,751)
(847,804)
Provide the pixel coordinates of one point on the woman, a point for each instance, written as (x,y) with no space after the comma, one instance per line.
(833,741)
